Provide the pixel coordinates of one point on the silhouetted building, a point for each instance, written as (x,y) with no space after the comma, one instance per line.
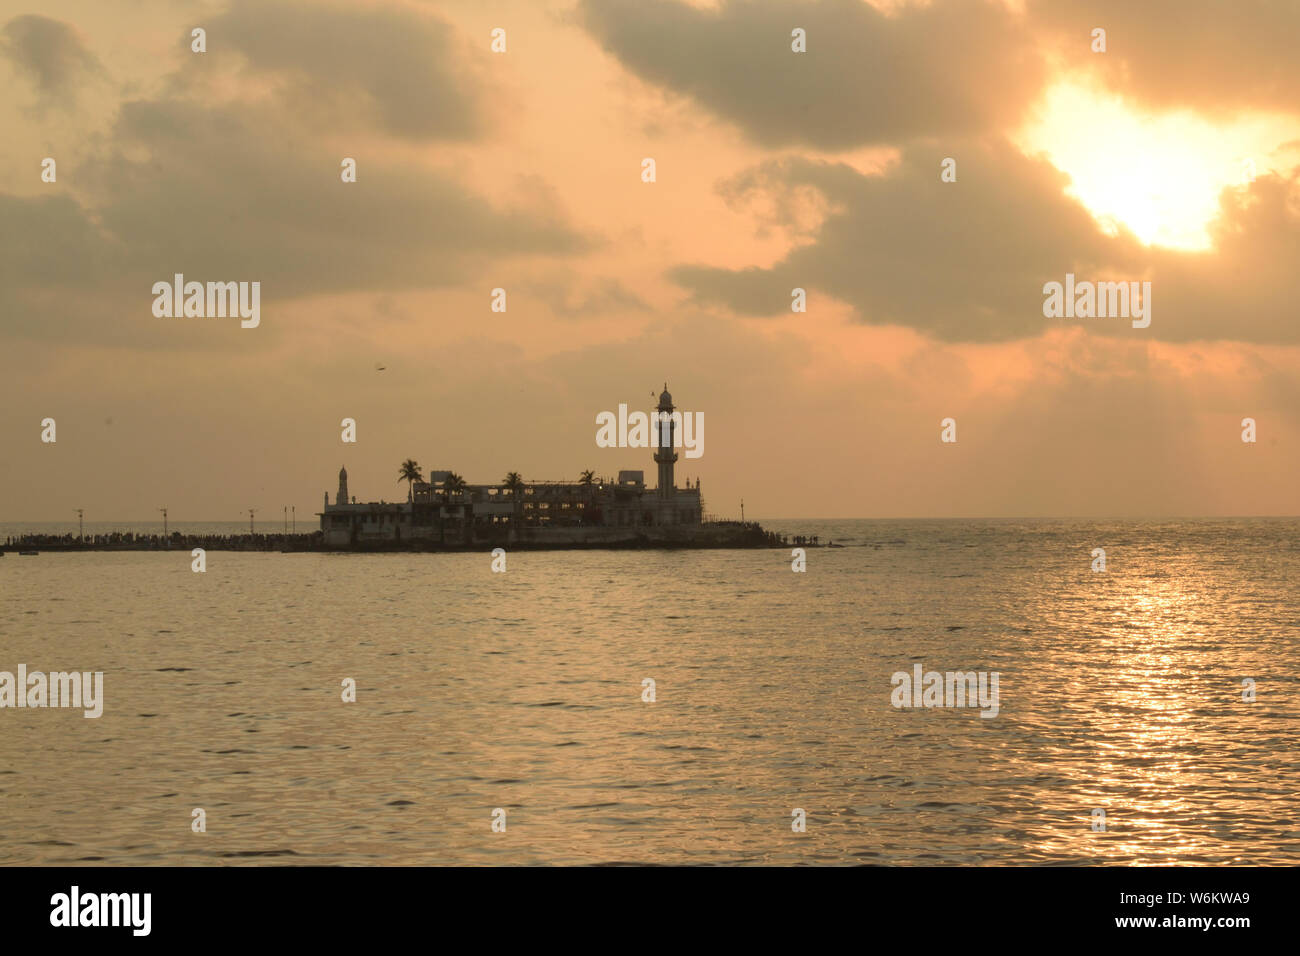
(543,511)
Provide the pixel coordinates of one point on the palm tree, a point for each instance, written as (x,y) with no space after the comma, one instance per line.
(587,479)
(514,483)
(454,484)
(410,473)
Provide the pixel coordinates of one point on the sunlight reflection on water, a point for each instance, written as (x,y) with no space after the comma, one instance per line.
(1119,691)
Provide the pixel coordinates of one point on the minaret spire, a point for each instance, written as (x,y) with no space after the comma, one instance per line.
(342,497)
(664,456)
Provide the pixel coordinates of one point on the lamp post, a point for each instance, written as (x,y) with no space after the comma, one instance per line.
(250,519)
(80,525)
(164,514)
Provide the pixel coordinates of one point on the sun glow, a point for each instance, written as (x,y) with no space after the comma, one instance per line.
(1158,175)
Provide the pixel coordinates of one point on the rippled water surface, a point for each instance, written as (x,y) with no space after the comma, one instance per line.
(1120,691)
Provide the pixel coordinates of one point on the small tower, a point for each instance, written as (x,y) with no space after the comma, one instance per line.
(342,497)
(665,457)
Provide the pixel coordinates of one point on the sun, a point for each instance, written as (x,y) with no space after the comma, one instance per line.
(1158,175)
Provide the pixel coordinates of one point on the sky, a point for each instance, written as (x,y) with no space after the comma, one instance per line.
(1171,157)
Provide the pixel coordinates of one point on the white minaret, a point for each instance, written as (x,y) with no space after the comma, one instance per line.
(665,457)
(342,497)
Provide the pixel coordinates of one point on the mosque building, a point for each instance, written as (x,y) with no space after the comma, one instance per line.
(593,510)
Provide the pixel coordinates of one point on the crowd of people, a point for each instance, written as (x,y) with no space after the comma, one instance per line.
(130,541)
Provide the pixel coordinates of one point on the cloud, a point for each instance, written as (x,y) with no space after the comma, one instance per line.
(225,177)
(966,261)
(1246,288)
(224,193)
(1199,54)
(51,54)
(391,67)
(568,297)
(951,68)
(961,261)
(216,193)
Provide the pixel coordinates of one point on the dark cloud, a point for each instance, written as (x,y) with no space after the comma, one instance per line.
(1205,55)
(223,196)
(947,68)
(247,189)
(49,241)
(967,261)
(1247,287)
(224,192)
(962,261)
(952,68)
(345,64)
(50,53)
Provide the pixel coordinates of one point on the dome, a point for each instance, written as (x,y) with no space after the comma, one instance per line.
(665,398)
(343,472)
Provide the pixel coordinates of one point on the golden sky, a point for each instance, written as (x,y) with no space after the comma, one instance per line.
(1171,157)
